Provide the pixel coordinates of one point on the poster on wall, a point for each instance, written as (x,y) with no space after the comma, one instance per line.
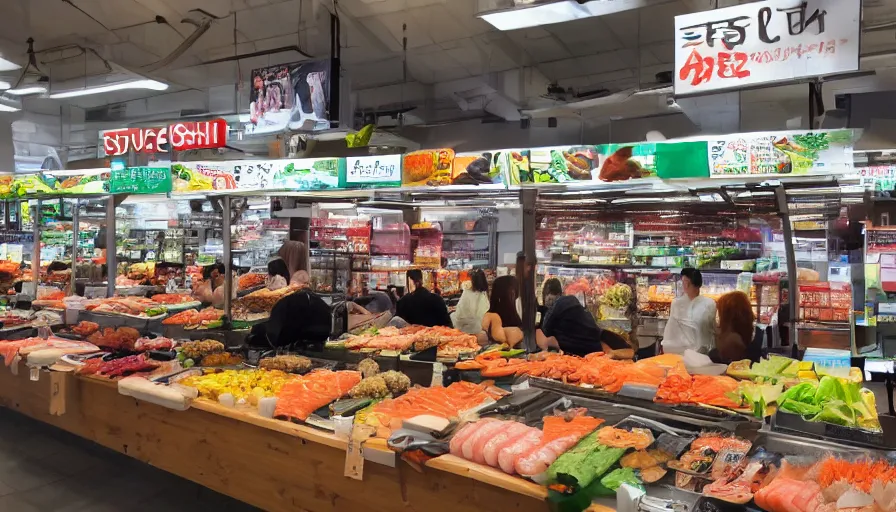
(513,165)
(590,164)
(251,175)
(297,96)
(372,171)
(764,42)
(478,169)
(781,153)
(428,167)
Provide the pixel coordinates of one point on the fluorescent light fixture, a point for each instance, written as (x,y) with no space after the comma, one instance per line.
(7,108)
(4,85)
(517,14)
(145,83)
(336,206)
(27,89)
(543,14)
(6,65)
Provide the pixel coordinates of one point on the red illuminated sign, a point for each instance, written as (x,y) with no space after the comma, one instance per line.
(176,137)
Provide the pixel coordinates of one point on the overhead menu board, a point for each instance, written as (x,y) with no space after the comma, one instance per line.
(444,167)
(49,184)
(372,172)
(781,153)
(764,42)
(141,180)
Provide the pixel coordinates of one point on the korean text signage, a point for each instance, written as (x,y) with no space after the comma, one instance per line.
(176,137)
(372,171)
(141,180)
(763,42)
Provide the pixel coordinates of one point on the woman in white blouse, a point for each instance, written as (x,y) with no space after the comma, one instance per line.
(692,320)
(473,304)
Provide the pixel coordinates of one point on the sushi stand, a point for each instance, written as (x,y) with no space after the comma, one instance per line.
(274,444)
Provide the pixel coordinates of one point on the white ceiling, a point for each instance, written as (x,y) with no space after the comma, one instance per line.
(446,43)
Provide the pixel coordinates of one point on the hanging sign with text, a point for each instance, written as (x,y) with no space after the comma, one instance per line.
(176,137)
(141,180)
(764,42)
(372,171)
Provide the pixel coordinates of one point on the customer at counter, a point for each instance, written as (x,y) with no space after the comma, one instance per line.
(298,318)
(420,306)
(473,304)
(278,275)
(211,289)
(502,323)
(735,328)
(692,320)
(569,327)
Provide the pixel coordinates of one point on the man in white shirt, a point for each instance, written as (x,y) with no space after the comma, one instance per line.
(692,321)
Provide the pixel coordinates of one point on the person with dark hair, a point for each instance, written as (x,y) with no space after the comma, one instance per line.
(735,328)
(692,319)
(473,304)
(502,323)
(278,274)
(419,306)
(211,289)
(566,325)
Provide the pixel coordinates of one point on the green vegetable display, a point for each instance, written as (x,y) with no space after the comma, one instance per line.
(618,296)
(832,400)
(584,463)
(617,477)
(759,396)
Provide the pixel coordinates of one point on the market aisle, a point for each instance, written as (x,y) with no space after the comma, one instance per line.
(48,470)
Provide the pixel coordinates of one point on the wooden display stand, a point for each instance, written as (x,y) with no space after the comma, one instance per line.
(274,465)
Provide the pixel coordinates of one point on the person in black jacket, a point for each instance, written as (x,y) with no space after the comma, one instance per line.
(420,306)
(569,327)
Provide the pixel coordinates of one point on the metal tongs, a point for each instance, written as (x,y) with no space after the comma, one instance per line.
(651,504)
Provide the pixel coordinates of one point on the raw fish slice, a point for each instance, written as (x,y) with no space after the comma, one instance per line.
(538,460)
(458,439)
(479,445)
(504,438)
(509,454)
(486,431)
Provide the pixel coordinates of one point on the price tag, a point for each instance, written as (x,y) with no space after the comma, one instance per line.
(354,454)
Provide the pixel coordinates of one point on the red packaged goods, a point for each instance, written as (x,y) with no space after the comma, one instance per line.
(300,398)
(146,344)
(122,338)
(118,367)
(85,328)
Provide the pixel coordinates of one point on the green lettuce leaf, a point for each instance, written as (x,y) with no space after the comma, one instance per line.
(617,477)
(803,392)
(837,412)
(830,389)
(803,409)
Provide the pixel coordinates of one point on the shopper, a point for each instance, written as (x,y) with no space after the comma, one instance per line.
(278,274)
(473,304)
(419,306)
(502,323)
(295,255)
(211,289)
(569,327)
(692,320)
(735,328)
(300,318)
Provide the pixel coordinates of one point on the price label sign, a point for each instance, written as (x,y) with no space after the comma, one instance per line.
(141,180)
(372,171)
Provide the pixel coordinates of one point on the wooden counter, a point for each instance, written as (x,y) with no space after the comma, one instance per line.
(272,464)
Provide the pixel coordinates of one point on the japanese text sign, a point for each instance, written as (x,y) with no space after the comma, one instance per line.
(141,180)
(369,171)
(176,137)
(763,42)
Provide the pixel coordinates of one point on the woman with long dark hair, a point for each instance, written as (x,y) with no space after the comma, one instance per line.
(473,304)
(735,327)
(502,323)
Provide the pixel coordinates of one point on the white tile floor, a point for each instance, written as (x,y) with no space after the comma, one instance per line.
(44,469)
